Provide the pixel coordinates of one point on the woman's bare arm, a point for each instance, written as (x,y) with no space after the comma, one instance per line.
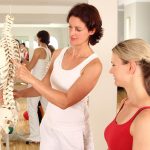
(141,131)
(28,92)
(31,92)
(77,92)
(36,56)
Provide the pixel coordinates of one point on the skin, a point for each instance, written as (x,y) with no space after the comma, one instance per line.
(78,52)
(130,77)
(39,53)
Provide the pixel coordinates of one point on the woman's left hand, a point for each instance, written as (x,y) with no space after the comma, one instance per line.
(22,72)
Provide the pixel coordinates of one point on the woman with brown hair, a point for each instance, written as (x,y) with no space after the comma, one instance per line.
(73,73)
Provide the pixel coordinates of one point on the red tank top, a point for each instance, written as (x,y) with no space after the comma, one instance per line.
(118,136)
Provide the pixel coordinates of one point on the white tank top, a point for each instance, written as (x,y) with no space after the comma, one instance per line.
(73,117)
(42,65)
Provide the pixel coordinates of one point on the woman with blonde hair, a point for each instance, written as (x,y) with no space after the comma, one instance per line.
(130,130)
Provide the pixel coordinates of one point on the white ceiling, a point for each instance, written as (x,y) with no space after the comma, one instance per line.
(37,11)
(43,11)
(41,2)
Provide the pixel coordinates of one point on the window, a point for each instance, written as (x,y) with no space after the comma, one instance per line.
(54,42)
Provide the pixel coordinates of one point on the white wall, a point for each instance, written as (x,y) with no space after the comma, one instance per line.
(120,25)
(104,97)
(130,12)
(139,14)
(143,20)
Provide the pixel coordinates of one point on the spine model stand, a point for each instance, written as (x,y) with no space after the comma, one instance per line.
(9,50)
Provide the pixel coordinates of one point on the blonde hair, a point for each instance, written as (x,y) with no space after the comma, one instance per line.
(133,49)
(137,50)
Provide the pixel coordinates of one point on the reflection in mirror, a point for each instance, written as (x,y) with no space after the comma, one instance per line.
(29,18)
(26,34)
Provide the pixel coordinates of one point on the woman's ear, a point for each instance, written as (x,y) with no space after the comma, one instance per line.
(133,66)
(91,32)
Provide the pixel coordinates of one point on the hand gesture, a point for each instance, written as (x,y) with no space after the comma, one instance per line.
(22,72)
(16,94)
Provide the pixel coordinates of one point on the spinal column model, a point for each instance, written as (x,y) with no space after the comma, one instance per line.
(9,49)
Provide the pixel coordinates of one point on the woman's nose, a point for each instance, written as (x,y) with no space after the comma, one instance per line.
(72,31)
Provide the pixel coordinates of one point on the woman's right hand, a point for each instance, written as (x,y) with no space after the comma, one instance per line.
(23,73)
(16,94)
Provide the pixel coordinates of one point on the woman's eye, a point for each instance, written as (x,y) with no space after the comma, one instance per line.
(79,30)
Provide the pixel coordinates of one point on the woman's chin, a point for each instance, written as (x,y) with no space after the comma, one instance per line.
(116,83)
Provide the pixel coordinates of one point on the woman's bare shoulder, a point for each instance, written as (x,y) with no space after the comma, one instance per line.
(94,64)
(143,116)
(56,53)
(141,124)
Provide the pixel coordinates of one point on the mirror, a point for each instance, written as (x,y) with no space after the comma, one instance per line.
(29,18)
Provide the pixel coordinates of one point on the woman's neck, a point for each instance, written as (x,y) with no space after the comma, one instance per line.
(80,51)
(138,96)
(42,45)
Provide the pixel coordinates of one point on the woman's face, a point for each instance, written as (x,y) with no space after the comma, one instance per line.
(119,70)
(21,46)
(78,32)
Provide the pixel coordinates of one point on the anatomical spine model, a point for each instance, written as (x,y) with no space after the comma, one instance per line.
(9,50)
